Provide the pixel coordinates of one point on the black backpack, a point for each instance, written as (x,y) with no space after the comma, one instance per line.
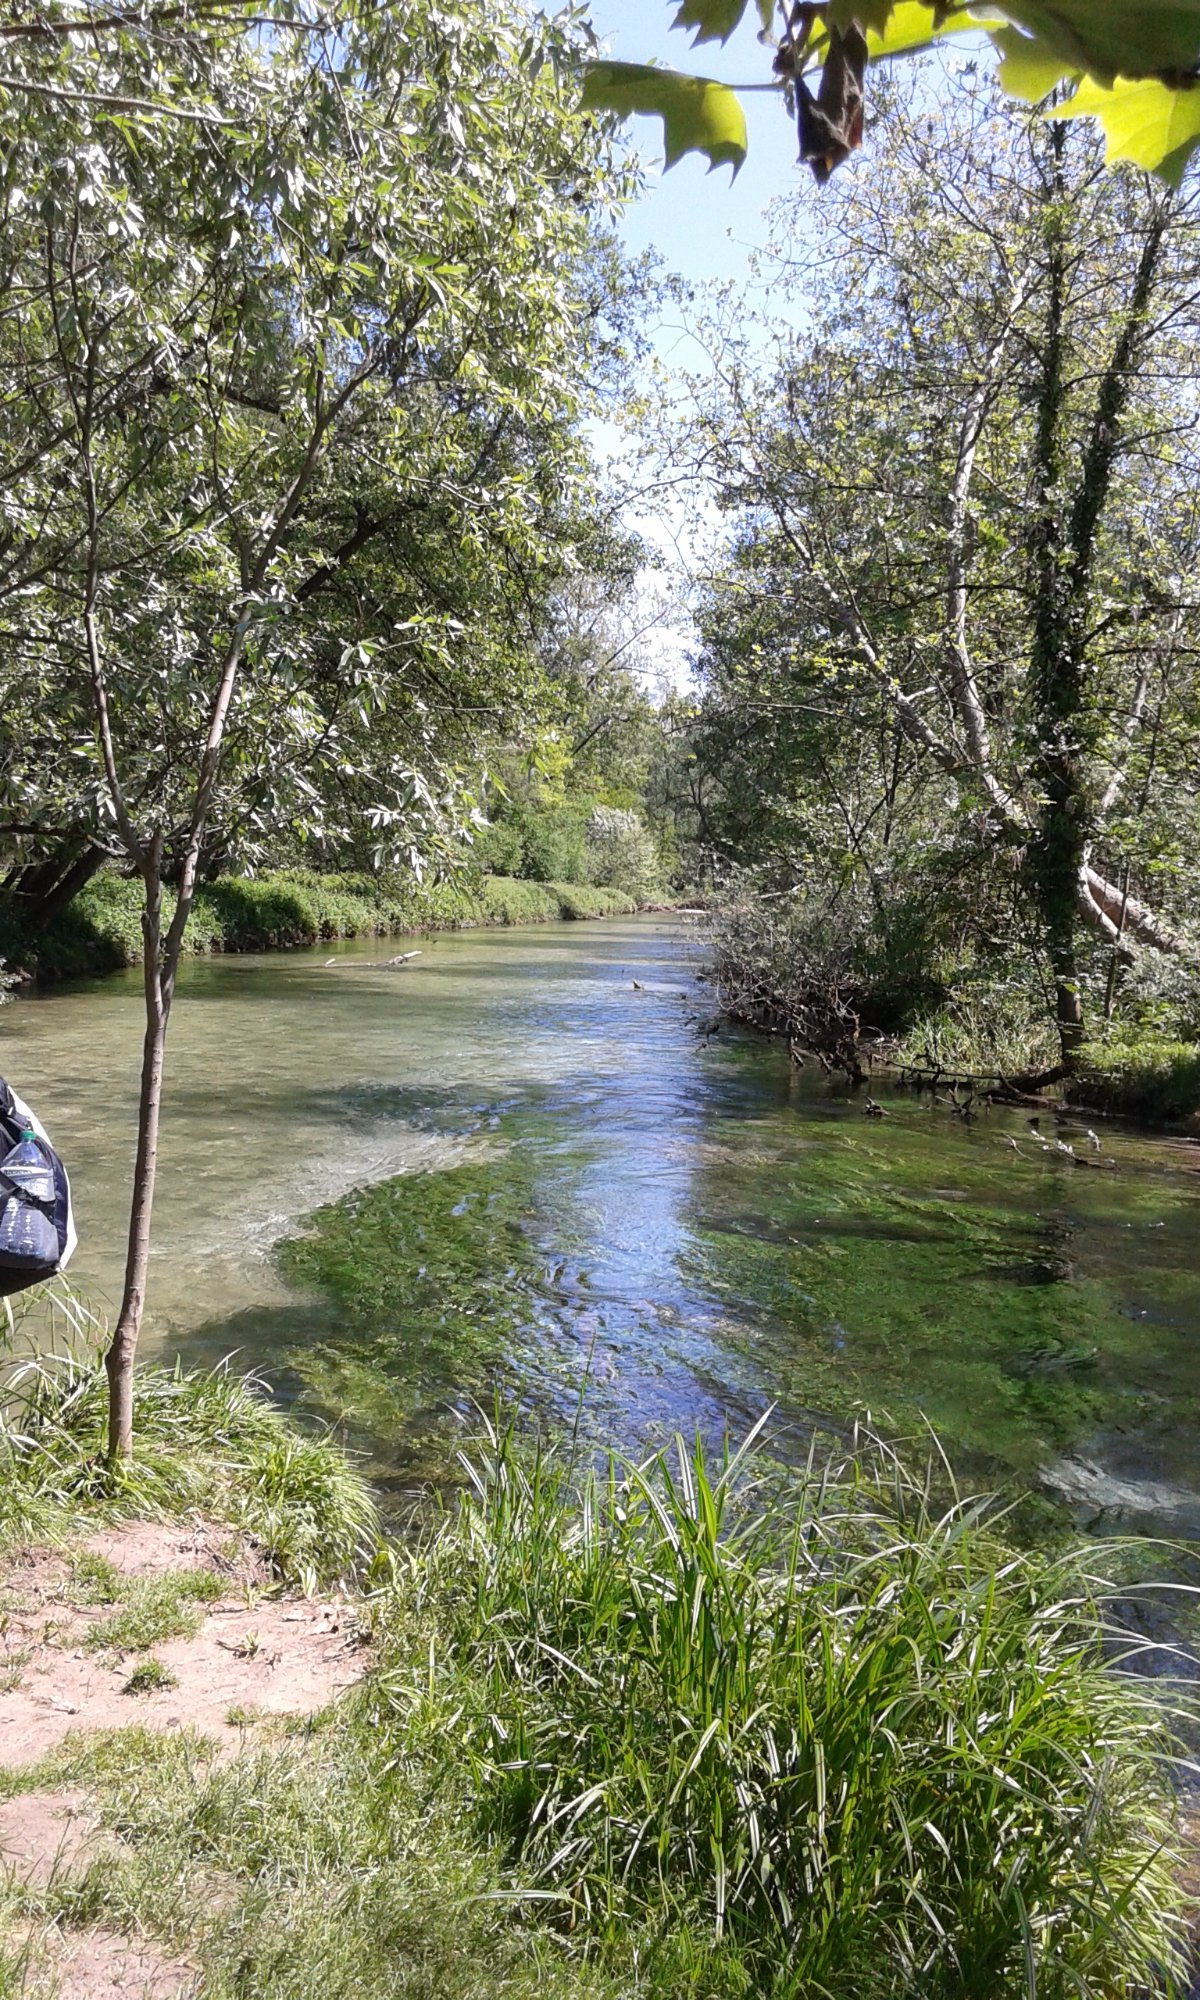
(19,1270)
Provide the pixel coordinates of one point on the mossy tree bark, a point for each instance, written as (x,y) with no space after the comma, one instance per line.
(1065,718)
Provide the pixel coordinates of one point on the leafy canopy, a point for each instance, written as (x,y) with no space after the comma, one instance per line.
(298,375)
(1134,69)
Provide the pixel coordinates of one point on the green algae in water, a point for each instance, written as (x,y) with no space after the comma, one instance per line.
(925,1280)
(442,1290)
(862,1295)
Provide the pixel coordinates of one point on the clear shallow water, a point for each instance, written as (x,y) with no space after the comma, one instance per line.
(589,1190)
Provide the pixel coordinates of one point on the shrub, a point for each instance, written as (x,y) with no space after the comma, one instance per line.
(554,845)
(257,915)
(866,1745)
(535,839)
(98,932)
(505,902)
(998,1031)
(621,852)
(150,1677)
(1160,993)
(499,848)
(577,899)
(819,968)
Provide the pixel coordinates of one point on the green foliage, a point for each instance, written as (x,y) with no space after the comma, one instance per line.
(817,756)
(150,1677)
(715,20)
(553,842)
(1102,38)
(910,26)
(1140,1074)
(499,848)
(797,1718)
(537,827)
(1135,75)
(622,851)
(98,932)
(519,902)
(1149,123)
(205,1440)
(698,114)
(577,839)
(372,334)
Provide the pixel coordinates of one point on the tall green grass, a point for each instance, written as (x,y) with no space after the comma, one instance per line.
(1140,1074)
(205,1440)
(843,1739)
(691,1728)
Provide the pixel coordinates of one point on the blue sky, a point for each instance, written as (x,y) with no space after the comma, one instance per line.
(704,226)
(699,222)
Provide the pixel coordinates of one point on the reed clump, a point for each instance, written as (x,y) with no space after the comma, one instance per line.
(833,1736)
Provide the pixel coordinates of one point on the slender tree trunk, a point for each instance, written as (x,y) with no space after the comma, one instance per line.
(1057,851)
(119,1359)
(1068,1003)
(161,953)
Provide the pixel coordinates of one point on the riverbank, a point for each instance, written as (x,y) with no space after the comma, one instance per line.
(530,1785)
(858,1012)
(287,909)
(529,1130)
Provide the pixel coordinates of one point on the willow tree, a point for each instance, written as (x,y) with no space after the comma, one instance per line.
(268,296)
(969,491)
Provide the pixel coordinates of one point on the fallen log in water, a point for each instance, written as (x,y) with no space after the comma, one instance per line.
(396,964)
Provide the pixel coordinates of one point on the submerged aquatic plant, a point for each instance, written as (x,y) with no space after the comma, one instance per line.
(847,1736)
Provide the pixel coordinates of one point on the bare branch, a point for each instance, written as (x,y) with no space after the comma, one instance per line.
(133,105)
(962,674)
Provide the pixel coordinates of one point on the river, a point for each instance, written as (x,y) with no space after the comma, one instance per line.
(509,1168)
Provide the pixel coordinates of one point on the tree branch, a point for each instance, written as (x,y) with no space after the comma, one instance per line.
(962,674)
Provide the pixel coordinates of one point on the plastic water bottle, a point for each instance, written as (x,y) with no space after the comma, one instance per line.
(25,1232)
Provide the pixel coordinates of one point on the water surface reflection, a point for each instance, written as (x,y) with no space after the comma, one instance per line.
(588,1187)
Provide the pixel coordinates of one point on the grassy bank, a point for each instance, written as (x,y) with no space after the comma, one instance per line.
(212,1442)
(675,1730)
(101,930)
(1140,1075)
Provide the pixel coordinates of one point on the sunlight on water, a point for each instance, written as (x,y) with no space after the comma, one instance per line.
(587,1184)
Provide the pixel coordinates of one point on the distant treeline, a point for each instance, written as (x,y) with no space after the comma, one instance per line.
(290,907)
